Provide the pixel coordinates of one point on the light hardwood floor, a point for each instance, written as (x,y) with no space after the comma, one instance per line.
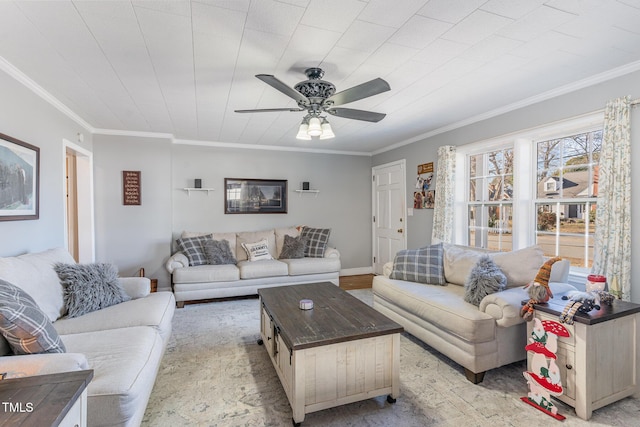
(361,281)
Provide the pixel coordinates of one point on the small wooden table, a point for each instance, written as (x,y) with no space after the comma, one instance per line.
(45,400)
(341,351)
(599,362)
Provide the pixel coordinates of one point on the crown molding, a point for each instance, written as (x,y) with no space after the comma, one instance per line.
(18,75)
(572,87)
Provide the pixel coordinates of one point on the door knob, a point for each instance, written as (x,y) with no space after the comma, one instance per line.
(400,230)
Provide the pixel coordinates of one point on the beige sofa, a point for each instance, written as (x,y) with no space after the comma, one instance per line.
(201,282)
(123,343)
(477,338)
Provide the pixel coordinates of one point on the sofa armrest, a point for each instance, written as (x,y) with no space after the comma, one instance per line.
(136,287)
(177,260)
(331,253)
(505,306)
(41,364)
(387,268)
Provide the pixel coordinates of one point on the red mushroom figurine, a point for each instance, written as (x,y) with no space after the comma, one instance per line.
(555,328)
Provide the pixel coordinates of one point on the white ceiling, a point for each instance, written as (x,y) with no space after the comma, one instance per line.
(182,67)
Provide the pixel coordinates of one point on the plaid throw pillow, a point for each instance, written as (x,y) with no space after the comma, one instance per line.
(27,329)
(317,239)
(424,265)
(193,248)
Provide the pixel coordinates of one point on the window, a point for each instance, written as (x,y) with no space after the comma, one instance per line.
(490,209)
(538,186)
(567,176)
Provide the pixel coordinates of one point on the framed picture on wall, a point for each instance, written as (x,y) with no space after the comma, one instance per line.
(247,196)
(19,179)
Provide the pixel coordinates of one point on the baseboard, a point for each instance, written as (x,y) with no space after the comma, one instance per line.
(356,271)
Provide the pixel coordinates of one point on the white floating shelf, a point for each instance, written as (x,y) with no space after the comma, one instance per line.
(190,189)
(307,191)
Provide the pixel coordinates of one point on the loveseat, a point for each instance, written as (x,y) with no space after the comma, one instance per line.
(196,276)
(123,344)
(478,338)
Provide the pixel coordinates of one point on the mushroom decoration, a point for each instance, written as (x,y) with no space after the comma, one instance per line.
(543,378)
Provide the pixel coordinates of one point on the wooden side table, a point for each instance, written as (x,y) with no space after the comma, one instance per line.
(45,400)
(599,361)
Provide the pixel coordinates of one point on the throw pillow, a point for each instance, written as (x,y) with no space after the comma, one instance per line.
(317,239)
(192,247)
(257,251)
(26,328)
(89,287)
(218,252)
(424,265)
(485,278)
(293,247)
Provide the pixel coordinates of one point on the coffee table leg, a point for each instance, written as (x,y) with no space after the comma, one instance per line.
(395,368)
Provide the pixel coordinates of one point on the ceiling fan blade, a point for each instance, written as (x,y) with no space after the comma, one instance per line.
(269,110)
(350,113)
(364,90)
(282,87)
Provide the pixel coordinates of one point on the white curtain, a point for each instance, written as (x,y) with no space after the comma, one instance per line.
(443,202)
(612,257)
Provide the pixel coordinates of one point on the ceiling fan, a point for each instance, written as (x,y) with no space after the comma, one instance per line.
(316,96)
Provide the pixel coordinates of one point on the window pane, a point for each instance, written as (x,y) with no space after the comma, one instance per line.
(576,183)
(546,217)
(496,162)
(549,185)
(576,150)
(494,189)
(572,218)
(475,190)
(474,165)
(473,217)
(508,161)
(549,154)
(547,241)
(573,249)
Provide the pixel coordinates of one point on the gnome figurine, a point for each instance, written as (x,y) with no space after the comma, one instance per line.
(538,289)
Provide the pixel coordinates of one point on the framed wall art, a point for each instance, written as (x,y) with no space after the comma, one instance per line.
(19,179)
(247,196)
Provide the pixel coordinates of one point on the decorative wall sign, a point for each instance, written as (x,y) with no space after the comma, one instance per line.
(131,188)
(424,196)
(243,196)
(19,179)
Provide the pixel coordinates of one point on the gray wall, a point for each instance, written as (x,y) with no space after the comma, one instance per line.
(142,236)
(25,116)
(582,101)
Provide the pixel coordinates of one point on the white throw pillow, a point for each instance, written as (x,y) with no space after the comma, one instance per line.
(257,251)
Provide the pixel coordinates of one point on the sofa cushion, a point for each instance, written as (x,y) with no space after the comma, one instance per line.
(206,273)
(280,235)
(34,274)
(218,252)
(317,239)
(253,237)
(26,328)
(293,247)
(424,265)
(458,262)
(301,266)
(520,266)
(192,247)
(485,278)
(442,306)
(125,362)
(89,287)
(262,268)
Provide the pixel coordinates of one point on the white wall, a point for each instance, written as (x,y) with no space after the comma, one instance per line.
(142,236)
(563,107)
(25,116)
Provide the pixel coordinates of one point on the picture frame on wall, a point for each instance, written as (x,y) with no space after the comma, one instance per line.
(255,196)
(19,180)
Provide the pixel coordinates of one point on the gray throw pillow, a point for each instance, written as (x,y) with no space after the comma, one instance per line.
(424,265)
(25,327)
(193,248)
(317,239)
(485,278)
(89,287)
(293,247)
(218,252)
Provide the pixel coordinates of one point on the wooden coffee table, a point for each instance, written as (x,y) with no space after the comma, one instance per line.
(339,352)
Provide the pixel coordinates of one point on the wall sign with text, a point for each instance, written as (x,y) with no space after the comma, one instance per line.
(131,188)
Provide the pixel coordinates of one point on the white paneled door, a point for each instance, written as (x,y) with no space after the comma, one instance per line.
(389,212)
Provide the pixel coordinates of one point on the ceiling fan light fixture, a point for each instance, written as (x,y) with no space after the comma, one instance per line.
(327,132)
(315,128)
(302,132)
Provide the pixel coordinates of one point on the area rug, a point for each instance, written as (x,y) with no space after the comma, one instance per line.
(215,374)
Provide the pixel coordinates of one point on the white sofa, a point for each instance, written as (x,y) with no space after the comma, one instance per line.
(123,343)
(478,338)
(201,282)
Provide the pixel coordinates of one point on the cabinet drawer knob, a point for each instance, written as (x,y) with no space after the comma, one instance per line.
(569,366)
